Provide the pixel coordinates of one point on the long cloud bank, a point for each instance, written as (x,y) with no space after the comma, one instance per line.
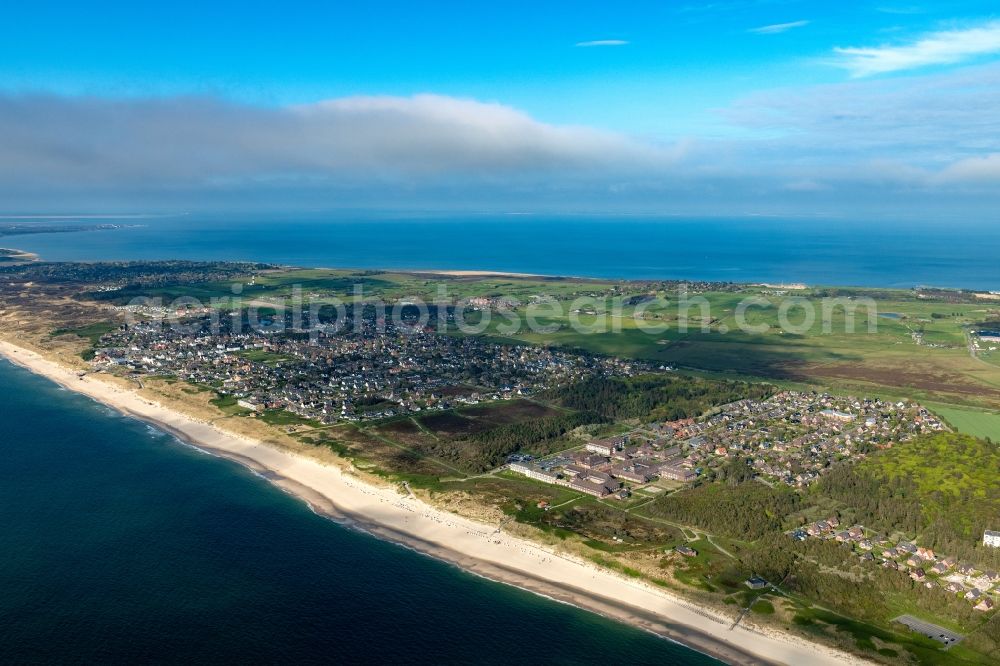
(92,141)
(817,149)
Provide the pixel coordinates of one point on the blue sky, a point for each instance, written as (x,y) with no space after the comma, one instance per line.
(767,106)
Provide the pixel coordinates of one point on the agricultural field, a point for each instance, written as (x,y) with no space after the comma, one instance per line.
(921,351)
(979,423)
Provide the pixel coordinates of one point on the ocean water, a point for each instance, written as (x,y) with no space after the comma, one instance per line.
(859,253)
(120,544)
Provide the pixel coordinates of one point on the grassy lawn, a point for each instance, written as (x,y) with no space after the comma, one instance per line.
(979,423)
(92,332)
(227,403)
(709,570)
(263,356)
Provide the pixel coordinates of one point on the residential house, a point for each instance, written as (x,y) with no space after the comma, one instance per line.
(966,569)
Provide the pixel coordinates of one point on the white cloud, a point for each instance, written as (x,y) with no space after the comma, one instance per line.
(777,28)
(937,48)
(603,42)
(190,141)
(979,169)
(934,134)
(928,120)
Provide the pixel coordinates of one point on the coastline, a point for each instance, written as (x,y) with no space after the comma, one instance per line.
(12,256)
(476,547)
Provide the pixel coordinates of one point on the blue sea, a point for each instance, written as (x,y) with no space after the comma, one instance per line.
(753,249)
(121,544)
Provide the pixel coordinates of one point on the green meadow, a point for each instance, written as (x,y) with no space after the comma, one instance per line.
(979,423)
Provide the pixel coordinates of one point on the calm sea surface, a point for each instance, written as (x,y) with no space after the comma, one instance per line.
(963,255)
(120,544)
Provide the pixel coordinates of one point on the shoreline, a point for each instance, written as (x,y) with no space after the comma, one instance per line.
(12,256)
(475,547)
(790,283)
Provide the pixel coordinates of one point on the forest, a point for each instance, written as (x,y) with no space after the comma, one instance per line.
(653,397)
(487,449)
(942,490)
(746,510)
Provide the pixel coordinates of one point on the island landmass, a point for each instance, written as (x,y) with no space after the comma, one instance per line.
(758,491)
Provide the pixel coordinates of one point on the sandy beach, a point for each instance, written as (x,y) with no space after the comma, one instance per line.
(480,273)
(477,547)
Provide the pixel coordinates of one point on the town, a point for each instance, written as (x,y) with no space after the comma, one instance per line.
(791,438)
(377,369)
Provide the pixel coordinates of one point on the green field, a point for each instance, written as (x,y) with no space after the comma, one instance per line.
(980,423)
(262,356)
(888,359)
(93,332)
